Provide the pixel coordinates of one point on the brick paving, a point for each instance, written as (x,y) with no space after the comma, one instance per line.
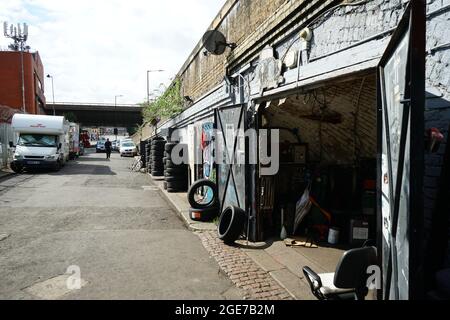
(256,283)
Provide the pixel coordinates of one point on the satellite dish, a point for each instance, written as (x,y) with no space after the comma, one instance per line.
(216,43)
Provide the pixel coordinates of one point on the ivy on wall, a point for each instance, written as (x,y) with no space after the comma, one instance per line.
(166,106)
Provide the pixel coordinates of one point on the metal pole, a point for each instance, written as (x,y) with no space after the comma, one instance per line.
(115,114)
(148,83)
(148,88)
(53,94)
(23,79)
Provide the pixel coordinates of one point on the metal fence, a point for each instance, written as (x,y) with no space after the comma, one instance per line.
(6,135)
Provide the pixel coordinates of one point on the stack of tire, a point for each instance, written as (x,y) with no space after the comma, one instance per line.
(175,175)
(143,152)
(148,146)
(156,157)
(207,207)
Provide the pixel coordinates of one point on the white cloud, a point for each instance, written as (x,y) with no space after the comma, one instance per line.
(96,49)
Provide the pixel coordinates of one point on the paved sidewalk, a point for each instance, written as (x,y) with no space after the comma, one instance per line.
(267,270)
(179,202)
(255,282)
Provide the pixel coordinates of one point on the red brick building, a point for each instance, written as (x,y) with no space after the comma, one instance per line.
(11,81)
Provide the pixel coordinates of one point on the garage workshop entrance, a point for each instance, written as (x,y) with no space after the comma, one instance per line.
(328,150)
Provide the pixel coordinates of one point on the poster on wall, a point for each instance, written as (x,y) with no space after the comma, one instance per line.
(207,147)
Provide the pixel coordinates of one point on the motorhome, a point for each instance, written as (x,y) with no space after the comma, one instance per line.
(40,142)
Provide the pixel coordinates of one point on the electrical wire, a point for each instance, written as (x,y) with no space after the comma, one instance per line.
(320,17)
(357,140)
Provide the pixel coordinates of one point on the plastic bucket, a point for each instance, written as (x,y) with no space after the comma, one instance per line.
(333,236)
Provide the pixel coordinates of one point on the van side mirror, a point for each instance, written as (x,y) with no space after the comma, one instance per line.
(59,146)
(11,144)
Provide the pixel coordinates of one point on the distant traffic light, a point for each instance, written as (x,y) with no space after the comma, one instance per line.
(116,131)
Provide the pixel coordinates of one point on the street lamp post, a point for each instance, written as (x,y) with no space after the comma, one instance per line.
(53,93)
(148,83)
(115,114)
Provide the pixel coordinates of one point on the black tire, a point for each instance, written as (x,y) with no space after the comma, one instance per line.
(204,215)
(157,163)
(157,156)
(176,171)
(157,173)
(200,184)
(179,185)
(170,164)
(169,146)
(180,152)
(58,166)
(175,178)
(16,168)
(231,224)
(157,148)
(157,153)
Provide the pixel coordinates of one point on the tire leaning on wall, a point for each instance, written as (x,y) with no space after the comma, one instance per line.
(231,224)
(193,191)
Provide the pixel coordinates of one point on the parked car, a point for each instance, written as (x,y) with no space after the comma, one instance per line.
(128,148)
(115,146)
(100,146)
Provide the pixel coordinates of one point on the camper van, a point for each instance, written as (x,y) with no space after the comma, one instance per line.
(40,142)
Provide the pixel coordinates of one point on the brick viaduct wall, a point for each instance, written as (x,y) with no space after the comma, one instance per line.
(251,25)
(437,112)
(355,136)
(254,24)
(348,25)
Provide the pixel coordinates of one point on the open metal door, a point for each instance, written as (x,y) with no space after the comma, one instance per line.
(401,156)
(230,156)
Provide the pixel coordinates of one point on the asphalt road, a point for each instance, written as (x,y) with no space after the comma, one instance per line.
(102,229)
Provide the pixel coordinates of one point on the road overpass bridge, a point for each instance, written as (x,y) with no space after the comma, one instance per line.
(99,114)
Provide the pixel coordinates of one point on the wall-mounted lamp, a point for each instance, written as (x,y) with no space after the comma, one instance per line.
(229,80)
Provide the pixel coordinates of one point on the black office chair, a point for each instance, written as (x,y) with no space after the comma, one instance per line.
(349,281)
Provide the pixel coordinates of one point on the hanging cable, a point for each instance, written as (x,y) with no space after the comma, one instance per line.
(357,143)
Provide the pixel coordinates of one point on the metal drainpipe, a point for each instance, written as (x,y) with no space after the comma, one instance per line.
(23,80)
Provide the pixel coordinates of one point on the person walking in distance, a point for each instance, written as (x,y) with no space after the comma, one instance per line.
(108,146)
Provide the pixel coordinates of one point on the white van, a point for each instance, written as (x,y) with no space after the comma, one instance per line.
(41,142)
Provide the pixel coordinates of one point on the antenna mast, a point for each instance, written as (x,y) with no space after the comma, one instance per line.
(20,36)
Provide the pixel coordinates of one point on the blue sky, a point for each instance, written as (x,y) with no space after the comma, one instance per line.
(96,49)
